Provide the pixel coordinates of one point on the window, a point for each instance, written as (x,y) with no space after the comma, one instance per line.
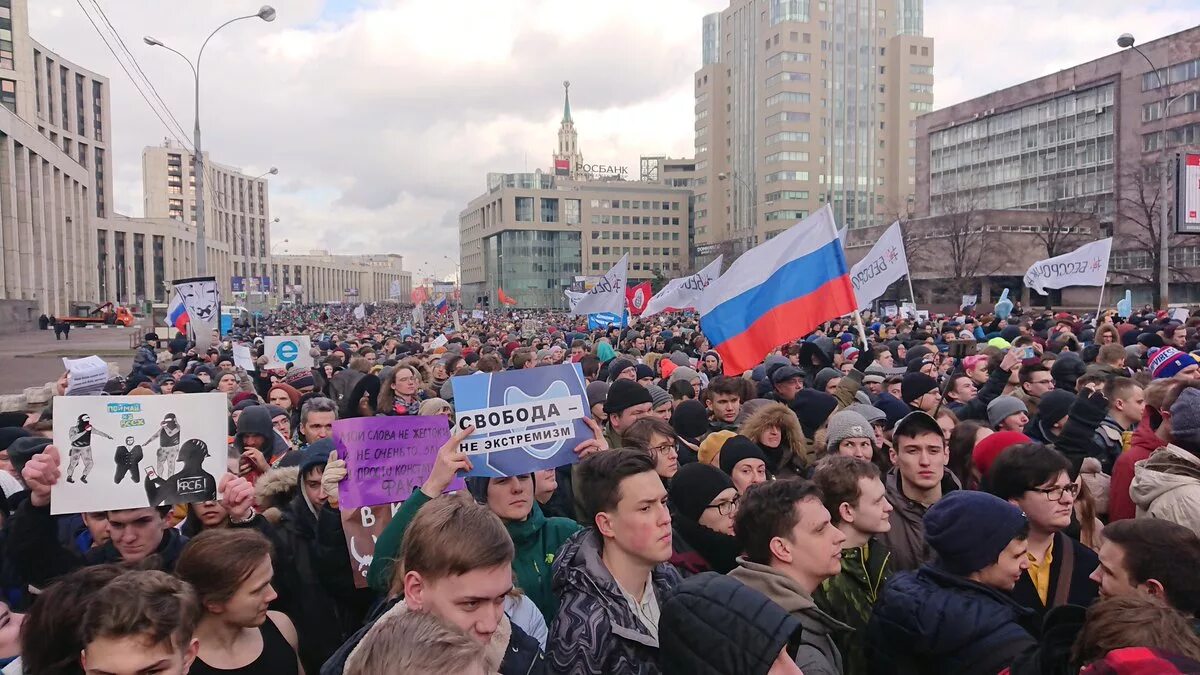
(789,10)
(8,94)
(920,88)
(787,157)
(917,69)
(787,57)
(912,49)
(787,76)
(787,137)
(787,215)
(788,116)
(524,207)
(788,97)
(549,210)
(786,175)
(924,51)
(571,211)
(920,106)
(781,195)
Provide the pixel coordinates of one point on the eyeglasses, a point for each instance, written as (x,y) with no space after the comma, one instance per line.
(1055,494)
(662,449)
(725,508)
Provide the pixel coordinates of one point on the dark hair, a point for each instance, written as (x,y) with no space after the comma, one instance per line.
(217,561)
(962,445)
(1161,550)
(590,365)
(143,603)
(51,636)
(598,483)
(952,383)
(768,510)
(639,433)
(837,477)
(681,390)
(724,385)
(1025,374)
(1024,467)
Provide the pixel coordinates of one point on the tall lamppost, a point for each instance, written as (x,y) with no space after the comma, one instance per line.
(266,13)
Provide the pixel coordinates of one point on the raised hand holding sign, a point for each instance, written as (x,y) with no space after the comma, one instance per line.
(1125,305)
(1004,307)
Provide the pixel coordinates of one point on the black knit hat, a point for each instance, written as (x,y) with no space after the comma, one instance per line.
(690,420)
(916,385)
(625,394)
(737,449)
(694,487)
(812,407)
(617,366)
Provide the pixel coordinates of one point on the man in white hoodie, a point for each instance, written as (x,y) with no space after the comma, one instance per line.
(1167,486)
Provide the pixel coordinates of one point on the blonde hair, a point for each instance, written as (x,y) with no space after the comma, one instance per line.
(415,643)
(1135,620)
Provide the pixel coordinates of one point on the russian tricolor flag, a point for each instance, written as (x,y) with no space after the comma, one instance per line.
(177,315)
(777,292)
(441,306)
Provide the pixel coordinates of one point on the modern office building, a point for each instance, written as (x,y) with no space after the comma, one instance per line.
(237,209)
(800,103)
(322,277)
(1084,139)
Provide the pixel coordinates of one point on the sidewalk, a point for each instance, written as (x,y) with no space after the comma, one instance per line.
(35,358)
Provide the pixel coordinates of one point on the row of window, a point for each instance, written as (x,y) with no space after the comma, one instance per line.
(645,250)
(787,137)
(637,266)
(653,205)
(1074,107)
(1189,134)
(606,219)
(787,97)
(1180,72)
(635,236)
(787,156)
(1186,103)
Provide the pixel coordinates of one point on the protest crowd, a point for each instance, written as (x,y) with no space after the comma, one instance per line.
(960,494)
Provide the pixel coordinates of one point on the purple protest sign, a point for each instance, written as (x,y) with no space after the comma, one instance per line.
(386,457)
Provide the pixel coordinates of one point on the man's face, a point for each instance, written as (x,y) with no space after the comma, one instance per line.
(1190,373)
(640,525)
(628,416)
(1179,338)
(814,544)
(1111,575)
(1044,513)
(788,388)
(921,460)
(639,344)
(511,498)
(253,441)
(725,407)
(872,513)
(964,390)
(1014,422)
(1132,407)
(1039,383)
(894,389)
(318,426)
(473,602)
(928,401)
(598,413)
(136,533)
(1003,574)
(283,425)
(248,606)
(97,525)
(312,486)
(886,360)
(137,655)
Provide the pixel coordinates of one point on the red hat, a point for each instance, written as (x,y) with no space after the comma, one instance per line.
(987,450)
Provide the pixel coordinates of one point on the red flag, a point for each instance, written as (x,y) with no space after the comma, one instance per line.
(419,295)
(636,297)
(504,298)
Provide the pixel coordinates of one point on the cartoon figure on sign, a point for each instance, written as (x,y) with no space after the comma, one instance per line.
(168,445)
(191,484)
(362,559)
(81,447)
(201,298)
(127,458)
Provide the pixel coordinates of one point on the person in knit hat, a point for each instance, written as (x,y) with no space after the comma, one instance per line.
(622,369)
(685,374)
(920,392)
(744,462)
(1167,485)
(1007,413)
(703,501)
(690,422)
(710,448)
(812,408)
(597,394)
(663,404)
(954,614)
(1051,417)
(626,403)
(987,450)
(848,433)
(827,380)
(1170,362)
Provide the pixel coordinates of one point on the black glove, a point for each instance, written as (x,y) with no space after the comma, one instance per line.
(1089,408)
(865,358)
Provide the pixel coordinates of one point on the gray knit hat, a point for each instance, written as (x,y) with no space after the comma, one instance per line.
(682,373)
(1003,406)
(658,394)
(824,376)
(1185,419)
(847,424)
(870,412)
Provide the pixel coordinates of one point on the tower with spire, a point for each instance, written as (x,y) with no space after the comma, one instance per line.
(568,159)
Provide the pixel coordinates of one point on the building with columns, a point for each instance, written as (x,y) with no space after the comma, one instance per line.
(321,276)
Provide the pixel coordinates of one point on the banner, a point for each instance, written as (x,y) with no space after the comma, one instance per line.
(200,298)
(478,314)
(242,358)
(968,301)
(608,295)
(445,288)
(386,457)
(129,452)
(360,312)
(86,376)
(608,320)
(1085,266)
(680,294)
(284,350)
(637,296)
(394,290)
(524,420)
(418,295)
(882,266)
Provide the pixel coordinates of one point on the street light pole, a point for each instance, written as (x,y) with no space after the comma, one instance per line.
(266,13)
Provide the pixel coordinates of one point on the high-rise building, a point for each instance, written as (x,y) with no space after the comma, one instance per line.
(800,103)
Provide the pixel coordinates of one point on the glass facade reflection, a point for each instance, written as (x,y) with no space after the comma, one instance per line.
(533,266)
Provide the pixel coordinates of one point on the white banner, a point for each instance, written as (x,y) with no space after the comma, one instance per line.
(969,301)
(360,312)
(242,357)
(284,350)
(1085,266)
(683,293)
(202,300)
(394,289)
(608,295)
(885,264)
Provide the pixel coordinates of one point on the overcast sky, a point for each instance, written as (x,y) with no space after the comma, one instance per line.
(384,116)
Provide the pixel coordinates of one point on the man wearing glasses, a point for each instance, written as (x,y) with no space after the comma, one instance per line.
(1035,381)
(1035,479)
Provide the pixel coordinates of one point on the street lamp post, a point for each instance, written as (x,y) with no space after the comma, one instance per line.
(266,13)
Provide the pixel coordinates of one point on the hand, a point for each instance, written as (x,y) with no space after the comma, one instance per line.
(253,460)
(450,460)
(335,472)
(237,496)
(1012,359)
(865,358)
(41,473)
(60,386)
(597,443)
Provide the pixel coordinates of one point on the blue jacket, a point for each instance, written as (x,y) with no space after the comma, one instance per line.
(930,621)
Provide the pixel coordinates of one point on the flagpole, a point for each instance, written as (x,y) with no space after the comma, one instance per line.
(911,294)
(862,331)
(1101,303)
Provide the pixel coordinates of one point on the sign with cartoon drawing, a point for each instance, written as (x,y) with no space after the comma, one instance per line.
(127,452)
(201,299)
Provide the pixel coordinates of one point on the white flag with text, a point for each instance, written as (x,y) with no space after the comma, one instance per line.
(683,293)
(608,295)
(880,268)
(1085,266)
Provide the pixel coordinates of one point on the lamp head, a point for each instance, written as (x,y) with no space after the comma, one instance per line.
(266,13)
(1125,41)
(152,41)
(273,171)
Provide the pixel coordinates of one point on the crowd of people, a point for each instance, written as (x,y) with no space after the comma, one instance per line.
(968,494)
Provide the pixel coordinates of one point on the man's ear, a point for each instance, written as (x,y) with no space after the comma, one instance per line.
(846,512)
(414,590)
(604,525)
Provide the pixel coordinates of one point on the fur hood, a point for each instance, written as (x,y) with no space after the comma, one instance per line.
(781,417)
(276,487)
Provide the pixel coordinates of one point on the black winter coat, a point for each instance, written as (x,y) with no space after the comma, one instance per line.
(1081,590)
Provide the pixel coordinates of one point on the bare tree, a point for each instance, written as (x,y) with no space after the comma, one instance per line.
(1138,229)
(959,245)
(1067,224)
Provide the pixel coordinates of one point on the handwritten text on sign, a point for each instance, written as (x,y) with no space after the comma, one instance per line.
(386,457)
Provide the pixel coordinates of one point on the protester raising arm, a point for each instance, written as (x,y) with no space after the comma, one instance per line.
(976,408)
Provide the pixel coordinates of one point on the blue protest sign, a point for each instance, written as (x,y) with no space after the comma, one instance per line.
(607,320)
(524,420)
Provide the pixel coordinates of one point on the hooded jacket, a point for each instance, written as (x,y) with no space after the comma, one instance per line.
(850,598)
(906,539)
(930,621)
(257,420)
(1167,486)
(1141,446)
(817,653)
(595,630)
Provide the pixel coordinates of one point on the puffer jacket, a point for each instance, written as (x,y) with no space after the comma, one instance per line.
(1167,486)
(595,630)
(1143,444)
(930,621)
(850,597)
(817,653)
(906,539)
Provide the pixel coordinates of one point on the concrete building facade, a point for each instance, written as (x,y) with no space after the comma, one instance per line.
(323,277)
(1085,139)
(799,103)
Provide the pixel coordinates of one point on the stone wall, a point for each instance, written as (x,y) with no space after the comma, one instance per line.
(18,316)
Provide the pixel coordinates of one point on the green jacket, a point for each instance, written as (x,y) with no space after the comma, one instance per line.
(850,598)
(536,540)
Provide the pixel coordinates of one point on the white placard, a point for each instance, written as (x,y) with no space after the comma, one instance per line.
(128,452)
(477,314)
(85,376)
(439,341)
(242,358)
(284,350)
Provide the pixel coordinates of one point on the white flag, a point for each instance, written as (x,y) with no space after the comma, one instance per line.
(394,290)
(360,312)
(608,295)
(683,293)
(1085,266)
(885,264)
(842,236)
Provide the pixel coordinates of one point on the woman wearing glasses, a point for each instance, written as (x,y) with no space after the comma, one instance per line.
(703,502)
(398,393)
(657,438)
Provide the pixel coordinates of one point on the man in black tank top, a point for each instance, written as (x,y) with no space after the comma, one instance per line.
(169,434)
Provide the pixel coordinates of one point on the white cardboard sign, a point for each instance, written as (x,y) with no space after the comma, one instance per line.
(284,350)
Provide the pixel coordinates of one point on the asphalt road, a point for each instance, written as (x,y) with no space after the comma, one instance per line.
(35,358)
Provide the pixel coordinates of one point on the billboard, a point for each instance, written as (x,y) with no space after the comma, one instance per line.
(1188,180)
